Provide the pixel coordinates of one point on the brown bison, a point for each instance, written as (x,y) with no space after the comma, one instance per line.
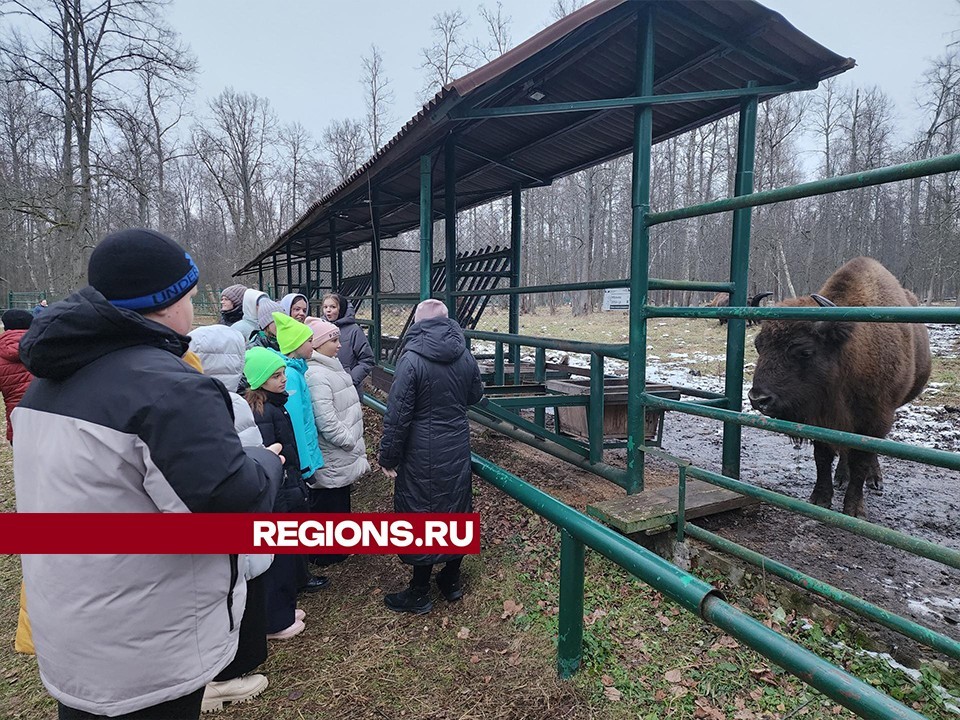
(722,299)
(849,376)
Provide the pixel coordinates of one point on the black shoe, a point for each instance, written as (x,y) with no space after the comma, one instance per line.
(414,600)
(449,585)
(315,583)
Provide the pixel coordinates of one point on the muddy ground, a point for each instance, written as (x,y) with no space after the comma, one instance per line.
(917,500)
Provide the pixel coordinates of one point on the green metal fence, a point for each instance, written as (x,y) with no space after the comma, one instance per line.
(578,531)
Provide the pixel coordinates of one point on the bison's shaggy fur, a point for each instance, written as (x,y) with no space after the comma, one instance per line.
(847,376)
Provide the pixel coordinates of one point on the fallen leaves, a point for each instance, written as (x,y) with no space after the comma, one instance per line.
(463,633)
(594,616)
(612,694)
(511,608)
(673,676)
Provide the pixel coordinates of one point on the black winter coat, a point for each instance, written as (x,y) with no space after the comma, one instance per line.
(276,427)
(426,435)
(355,353)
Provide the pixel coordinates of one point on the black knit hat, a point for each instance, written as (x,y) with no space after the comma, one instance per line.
(141,270)
(16,319)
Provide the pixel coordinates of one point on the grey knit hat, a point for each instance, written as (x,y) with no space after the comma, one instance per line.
(234,294)
(265,310)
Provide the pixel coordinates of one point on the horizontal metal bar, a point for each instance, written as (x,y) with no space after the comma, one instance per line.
(574,346)
(940,458)
(857,314)
(655,284)
(628,102)
(905,171)
(399,299)
(697,392)
(881,534)
(533,289)
(690,285)
(508,416)
(542,401)
(483,274)
(844,599)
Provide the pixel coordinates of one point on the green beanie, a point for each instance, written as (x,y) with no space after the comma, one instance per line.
(260,363)
(291,333)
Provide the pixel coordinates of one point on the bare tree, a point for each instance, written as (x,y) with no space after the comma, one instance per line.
(345,143)
(497,26)
(378,98)
(79,58)
(449,56)
(237,146)
(299,151)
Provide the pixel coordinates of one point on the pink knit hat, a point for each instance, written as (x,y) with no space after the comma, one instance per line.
(430,309)
(322,331)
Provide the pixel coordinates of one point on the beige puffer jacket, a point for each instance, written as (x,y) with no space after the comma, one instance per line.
(336,408)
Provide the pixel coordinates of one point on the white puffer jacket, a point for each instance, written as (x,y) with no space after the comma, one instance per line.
(221,352)
(336,408)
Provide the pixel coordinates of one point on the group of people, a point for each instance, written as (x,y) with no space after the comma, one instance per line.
(140,412)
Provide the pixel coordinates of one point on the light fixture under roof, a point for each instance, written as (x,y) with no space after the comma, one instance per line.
(537,96)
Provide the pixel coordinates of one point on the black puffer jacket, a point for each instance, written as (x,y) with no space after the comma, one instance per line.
(276,427)
(426,436)
(355,353)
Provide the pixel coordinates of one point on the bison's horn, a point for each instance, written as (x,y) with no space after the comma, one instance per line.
(755,300)
(821,300)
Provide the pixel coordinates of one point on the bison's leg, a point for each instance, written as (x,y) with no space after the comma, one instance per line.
(874,476)
(823,454)
(860,467)
(841,475)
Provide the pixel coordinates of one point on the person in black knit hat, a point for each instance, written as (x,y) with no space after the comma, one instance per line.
(116,421)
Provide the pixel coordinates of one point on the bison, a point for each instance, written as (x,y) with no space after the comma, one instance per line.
(849,376)
(722,299)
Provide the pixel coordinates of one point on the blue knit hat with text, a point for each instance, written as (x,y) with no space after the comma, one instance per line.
(141,270)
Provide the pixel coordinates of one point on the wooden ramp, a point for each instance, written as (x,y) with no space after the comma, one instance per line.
(653,511)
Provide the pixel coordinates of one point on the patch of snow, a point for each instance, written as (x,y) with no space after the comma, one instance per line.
(944,339)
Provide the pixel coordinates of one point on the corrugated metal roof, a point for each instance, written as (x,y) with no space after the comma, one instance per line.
(588,55)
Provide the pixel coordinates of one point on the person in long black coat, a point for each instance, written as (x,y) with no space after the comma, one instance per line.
(426,441)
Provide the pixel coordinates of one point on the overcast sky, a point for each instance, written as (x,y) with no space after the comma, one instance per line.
(305,55)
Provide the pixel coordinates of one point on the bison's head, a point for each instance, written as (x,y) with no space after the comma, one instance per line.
(799,366)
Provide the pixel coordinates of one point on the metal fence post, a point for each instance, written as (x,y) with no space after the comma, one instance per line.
(639,254)
(739,265)
(570,621)
(426,226)
(595,409)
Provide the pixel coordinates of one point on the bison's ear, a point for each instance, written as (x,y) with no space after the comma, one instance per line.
(833,333)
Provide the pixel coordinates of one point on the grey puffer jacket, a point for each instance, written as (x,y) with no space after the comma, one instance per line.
(426,436)
(221,350)
(248,325)
(355,353)
(339,418)
(115,421)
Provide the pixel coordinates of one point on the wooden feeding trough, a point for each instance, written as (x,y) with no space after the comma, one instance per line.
(573,420)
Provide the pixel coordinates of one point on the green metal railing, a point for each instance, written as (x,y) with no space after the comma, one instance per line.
(691,593)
